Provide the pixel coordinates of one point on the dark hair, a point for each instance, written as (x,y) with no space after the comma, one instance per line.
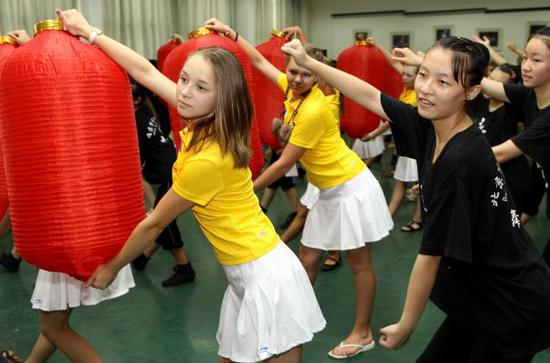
(513,71)
(232,119)
(542,34)
(469,61)
(138,90)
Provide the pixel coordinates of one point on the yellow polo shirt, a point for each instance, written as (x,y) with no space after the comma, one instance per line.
(409,96)
(328,160)
(226,209)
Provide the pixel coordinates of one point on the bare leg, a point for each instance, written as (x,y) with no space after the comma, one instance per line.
(150,251)
(291,356)
(417,216)
(224,360)
(365,288)
(297,224)
(55,327)
(267,197)
(292,198)
(179,255)
(41,351)
(399,190)
(148,194)
(331,259)
(310,258)
(14,253)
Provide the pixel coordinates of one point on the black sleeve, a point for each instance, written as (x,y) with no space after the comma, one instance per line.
(448,222)
(404,123)
(516,93)
(535,141)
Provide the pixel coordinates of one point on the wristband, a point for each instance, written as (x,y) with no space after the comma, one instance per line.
(93,35)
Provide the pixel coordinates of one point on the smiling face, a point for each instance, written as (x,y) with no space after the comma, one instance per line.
(196,92)
(535,66)
(300,80)
(439,94)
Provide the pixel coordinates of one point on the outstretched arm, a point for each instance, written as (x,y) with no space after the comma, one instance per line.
(258,61)
(506,151)
(146,232)
(395,64)
(295,32)
(421,283)
(514,48)
(137,66)
(495,56)
(360,91)
(493,89)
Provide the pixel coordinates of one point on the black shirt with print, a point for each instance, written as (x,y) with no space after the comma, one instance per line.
(535,139)
(498,126)
(491,276)
(156,151)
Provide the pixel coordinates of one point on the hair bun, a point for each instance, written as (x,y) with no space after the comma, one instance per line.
(484,51)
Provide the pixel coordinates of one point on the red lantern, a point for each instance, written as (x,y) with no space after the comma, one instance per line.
(201,38)
(7,47)
(72,162)
(165,49)
(269,98)
(369,64)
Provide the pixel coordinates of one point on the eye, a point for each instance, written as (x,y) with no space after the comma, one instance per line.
(443,82)
(183,79)
(537,60)
(421,74)
(293,73)
(201,88)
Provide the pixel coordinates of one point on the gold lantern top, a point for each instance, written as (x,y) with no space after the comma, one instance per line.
(199,32)
(6,39)
(49,24)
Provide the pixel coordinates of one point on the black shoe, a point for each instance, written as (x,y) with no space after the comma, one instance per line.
(140,262)
(182,274)
(10,263)
(289,220)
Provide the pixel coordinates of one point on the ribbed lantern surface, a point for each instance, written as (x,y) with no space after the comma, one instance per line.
(269,98)
(164,50)
(173,64)
(369,64)
(7,47)
(72,162)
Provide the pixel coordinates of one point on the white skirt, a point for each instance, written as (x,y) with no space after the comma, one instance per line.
(310,196)
(406,170)
(348,216)
(55,291)
(369,149)
(268,308)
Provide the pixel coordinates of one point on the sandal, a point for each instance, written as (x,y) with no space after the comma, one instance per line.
(413,226)
(336,262)
(9,356)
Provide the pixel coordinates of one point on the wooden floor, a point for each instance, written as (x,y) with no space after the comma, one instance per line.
(178,324)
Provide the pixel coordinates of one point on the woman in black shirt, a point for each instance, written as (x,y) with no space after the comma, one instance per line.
(534,100)
(475,261)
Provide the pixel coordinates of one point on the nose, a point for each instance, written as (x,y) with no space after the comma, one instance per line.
(185,90)
(425,86)
(526,65)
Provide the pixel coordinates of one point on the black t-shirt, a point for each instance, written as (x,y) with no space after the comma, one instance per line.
(497,127)
(156,151)
(491,276)
(535,139)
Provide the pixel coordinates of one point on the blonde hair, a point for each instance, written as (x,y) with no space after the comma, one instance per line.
(230,124)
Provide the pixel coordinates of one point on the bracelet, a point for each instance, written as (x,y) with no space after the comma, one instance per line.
(236,36)
(93,34)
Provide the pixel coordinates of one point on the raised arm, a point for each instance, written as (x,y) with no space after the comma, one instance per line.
(496,57)
(421,283)
(360,91)
(295,32)
(258,61)
(493,89)
(136,65)
(514,48)
(395,64)
(506,151)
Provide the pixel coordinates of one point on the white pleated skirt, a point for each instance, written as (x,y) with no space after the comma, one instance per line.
(310,196)
(55,291)
(268,308)
(406,169)
(369,149)
(348,216)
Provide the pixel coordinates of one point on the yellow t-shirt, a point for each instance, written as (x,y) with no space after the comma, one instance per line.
(226,209)
(328,160)
(409,96)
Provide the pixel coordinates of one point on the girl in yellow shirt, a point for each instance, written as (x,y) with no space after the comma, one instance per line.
(269,309)
(351,210)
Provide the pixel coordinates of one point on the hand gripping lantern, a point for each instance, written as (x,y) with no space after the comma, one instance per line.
(72,162)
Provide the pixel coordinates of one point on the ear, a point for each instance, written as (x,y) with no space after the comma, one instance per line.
(473,92)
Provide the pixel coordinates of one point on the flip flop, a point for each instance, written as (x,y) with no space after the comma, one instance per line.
(9,357)
(360,349)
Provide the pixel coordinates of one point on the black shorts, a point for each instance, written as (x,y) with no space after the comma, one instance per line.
(285,182)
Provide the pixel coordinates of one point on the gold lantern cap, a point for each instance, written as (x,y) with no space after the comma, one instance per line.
(199,32)
(362,43)
(277,33)
(6,39)
(48,24)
